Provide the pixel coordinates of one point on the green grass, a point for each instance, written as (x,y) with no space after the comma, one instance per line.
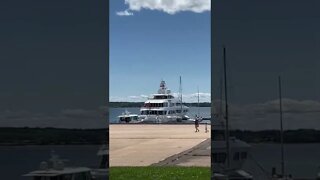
(159,173)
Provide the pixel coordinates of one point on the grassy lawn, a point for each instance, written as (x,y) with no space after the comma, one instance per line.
(159,173)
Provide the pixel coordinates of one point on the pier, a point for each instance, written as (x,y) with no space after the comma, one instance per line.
(148,144)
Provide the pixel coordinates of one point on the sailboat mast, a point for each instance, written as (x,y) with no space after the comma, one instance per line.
(221,98)
(226,106)
(180,88)
(281,128)
(198,103)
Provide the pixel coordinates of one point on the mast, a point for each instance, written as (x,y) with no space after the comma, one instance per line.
(198,103)
(281,128)
(226,106)
(180,89)
(221,97)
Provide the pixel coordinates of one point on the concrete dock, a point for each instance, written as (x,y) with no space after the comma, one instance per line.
(146,144)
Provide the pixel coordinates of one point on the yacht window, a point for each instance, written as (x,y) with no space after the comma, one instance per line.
(243,155)
(178,111)
(236,156)
(164,112)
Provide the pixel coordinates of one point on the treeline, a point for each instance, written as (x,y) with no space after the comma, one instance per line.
(48,136)
(139,104)
(273,136)
(56,136)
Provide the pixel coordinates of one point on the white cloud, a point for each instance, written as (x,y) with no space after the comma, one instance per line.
(296,114)
(193,97)
(124,13)
(168,6)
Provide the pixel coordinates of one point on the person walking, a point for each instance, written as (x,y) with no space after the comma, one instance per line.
(206,128)
(196,124)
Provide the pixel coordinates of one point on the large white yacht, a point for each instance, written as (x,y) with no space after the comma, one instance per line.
(163,107)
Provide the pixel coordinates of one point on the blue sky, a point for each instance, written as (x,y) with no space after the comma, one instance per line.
(164,43)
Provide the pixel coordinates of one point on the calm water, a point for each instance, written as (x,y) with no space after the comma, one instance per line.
(302,160)
(115,112)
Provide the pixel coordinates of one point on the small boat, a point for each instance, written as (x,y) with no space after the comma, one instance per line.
(128,117)
(55,169)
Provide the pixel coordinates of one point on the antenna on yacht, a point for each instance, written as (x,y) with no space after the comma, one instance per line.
(226,104)
(281,128)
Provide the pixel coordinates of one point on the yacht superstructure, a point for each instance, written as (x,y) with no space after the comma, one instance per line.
(163,107)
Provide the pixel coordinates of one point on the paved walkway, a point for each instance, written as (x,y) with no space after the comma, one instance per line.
(198,155)
(144,145)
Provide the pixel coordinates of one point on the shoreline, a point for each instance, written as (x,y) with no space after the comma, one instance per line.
(15,136)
